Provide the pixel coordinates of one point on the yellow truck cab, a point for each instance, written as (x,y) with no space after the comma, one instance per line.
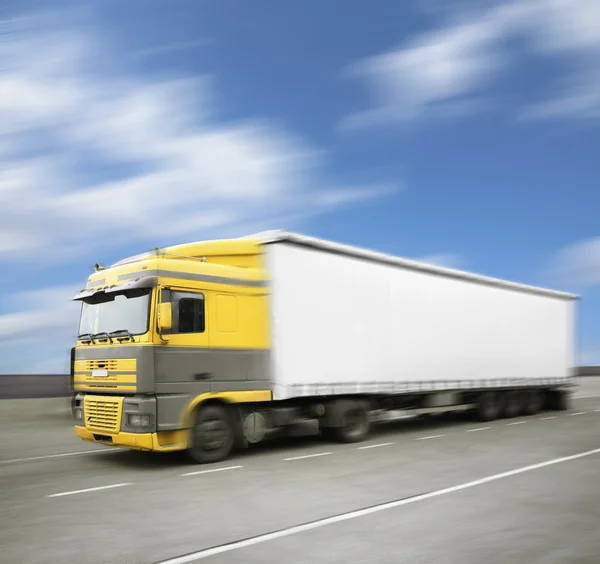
(165,332)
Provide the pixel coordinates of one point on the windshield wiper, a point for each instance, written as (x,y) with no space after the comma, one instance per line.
(86,338)
(122,335)
(102,333)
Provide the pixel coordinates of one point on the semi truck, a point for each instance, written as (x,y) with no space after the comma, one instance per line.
(217,345)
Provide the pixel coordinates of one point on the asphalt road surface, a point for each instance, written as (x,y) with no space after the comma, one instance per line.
(446,490)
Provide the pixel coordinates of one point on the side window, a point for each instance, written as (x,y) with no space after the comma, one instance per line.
(188,312)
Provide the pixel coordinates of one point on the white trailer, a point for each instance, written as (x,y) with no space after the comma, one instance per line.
(347,321)
(350,322)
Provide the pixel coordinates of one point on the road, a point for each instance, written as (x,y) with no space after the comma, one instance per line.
(419,491)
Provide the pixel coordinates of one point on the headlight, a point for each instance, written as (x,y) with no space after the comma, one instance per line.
(135,420)
(78,413)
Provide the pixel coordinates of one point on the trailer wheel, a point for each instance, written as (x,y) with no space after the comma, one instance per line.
(213,434)
(354,425)
(513,403)
(488,406)
(533,402)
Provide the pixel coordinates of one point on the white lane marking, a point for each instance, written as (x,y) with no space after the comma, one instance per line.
(597,410)
(206,553)
(90,490)
(516,423)
(577,413)
(587,396)
(374,446)
(211,470)
(478,429)
(78,453)
(308,456)
(429,437)
(550,417)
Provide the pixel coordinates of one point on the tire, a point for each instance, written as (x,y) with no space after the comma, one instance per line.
(488,406)
(533,402)
(213,434)
(354,425)
(513,404)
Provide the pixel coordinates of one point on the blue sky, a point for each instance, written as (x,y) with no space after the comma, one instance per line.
(464,133)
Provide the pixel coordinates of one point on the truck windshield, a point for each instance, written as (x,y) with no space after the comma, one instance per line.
(124,311)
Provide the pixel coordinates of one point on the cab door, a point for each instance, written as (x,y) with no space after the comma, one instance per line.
(183,362)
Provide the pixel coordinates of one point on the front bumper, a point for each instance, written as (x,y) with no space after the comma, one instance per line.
(162,441)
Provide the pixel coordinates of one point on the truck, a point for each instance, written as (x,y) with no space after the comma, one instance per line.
(218,345)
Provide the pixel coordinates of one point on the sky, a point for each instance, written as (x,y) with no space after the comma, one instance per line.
(462,133)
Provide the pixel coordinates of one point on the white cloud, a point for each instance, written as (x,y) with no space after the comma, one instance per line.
(570,31)
(579,263)
(456,62)
(69,115)
(568,25)
(435,69)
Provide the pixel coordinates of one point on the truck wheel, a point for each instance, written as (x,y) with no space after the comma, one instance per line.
(354,425)
(532,402)
(213,434)
(488,406)
(512,404)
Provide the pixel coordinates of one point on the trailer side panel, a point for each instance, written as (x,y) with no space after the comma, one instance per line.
(342,324)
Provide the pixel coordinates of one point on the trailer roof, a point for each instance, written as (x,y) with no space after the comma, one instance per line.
(280,236)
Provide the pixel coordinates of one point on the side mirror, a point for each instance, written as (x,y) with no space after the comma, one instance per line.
(165,316)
